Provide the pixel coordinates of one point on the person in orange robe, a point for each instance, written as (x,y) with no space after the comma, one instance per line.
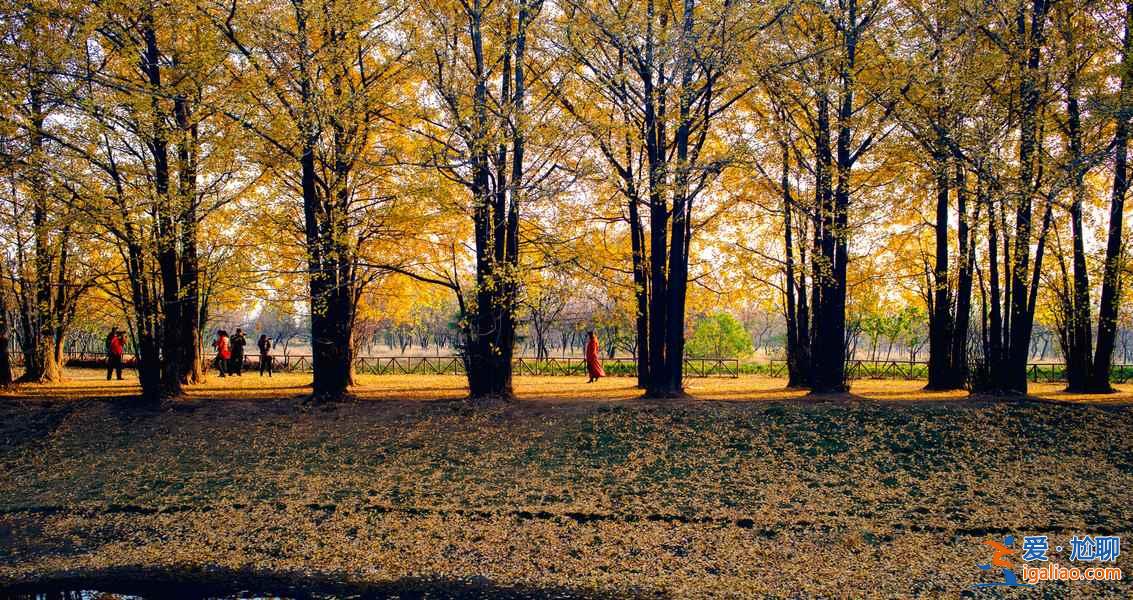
(593,362)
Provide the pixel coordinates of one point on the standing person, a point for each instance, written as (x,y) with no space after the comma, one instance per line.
(223,352)
(238,343)
(264,345)
(114,350)
(593,361)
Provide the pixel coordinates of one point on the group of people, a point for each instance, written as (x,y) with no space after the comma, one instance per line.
(230,353)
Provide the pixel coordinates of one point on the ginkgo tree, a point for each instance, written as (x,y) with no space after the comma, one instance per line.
(544,167)
(315,84)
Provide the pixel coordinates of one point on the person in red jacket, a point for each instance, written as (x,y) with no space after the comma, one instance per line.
(115,347)
(593,361)
(223,352)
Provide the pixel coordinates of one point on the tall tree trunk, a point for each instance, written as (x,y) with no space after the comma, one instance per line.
(189,335)
(5,330)
(796,371)
(1032,40)
(330,343)
(655,152)
(490,338)
(328,260)
(993,353)
(966,250)
(673,383)
(167,235)
(1111,282)
(146,317)
(830,348)
(822,251)
(330,339)
(940,371)
(640,290)
(515,192)
(1077,337)
(39,341)
(637,237)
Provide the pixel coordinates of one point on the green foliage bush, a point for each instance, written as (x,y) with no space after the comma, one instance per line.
(716,335)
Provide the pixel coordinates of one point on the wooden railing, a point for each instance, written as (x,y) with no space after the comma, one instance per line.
(619,366)
(453,365)
(909,369)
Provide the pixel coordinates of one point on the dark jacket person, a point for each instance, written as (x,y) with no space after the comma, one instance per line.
(238,343)
(264,345)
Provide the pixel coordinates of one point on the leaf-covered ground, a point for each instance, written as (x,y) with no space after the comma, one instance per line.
(887,492)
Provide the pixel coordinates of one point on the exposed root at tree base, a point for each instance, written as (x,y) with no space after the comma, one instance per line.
(827,394)
(328,400)
(1090,390)
(942,388)
(668,395)
(490,399)
(39,379)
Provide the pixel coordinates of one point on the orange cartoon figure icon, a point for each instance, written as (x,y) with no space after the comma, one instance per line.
(1001,552)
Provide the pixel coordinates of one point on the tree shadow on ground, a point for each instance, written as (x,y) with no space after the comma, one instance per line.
(227,583)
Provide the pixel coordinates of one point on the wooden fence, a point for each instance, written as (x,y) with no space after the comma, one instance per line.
(576,366)
(450,365)
(908,369)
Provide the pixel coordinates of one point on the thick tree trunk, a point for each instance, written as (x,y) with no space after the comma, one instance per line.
(332,346)
(658,297)
(328,259)
(673,383)
(189,334)
(829,347)
(167,237)
(489,368)
(490,339)
(654,109)
(658,280)
(40,365)
(822,252)
(830,343)
(330,303)
(146,317)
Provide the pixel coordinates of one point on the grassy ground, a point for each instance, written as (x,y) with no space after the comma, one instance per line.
(748,490)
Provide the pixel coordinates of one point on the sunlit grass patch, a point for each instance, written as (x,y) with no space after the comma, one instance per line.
(78,384)
(1123,394)
(91,383)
